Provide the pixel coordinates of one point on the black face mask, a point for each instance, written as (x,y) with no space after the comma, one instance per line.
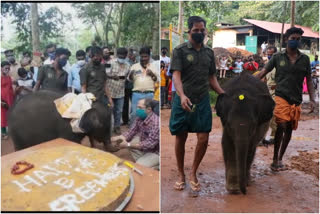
(316,59)
(164,52)
(96,62)
(106,57)
(197,37)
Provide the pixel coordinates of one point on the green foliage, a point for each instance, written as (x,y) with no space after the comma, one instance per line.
(307,12)
(50,24)
(137,24)
(213,97)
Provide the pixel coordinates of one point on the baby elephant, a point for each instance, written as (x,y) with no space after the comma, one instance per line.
(245,111)
(35,119)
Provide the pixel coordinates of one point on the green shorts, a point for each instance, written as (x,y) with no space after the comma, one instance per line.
(198,121)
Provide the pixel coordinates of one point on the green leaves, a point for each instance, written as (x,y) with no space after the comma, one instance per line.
(50,24)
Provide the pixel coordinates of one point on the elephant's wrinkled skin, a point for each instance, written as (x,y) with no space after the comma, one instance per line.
(35,119)
(245,111)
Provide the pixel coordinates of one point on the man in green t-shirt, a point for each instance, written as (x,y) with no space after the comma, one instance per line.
(291,68)
(194,70)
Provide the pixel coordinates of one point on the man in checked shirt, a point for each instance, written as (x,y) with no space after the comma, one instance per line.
(116,81)
(146,126)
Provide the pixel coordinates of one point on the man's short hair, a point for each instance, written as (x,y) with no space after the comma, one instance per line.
(164,48)
(122,51)
(293,30)
(105,47)
(95,50)
(4,63)
(88,49)
(272,47)
(69,53)
(51,46)
(61,51)
(195,19)
(150,103)
(7,52)
(145,50)
(80,53)
(22,72)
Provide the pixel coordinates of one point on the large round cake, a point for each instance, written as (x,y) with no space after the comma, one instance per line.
(66,178)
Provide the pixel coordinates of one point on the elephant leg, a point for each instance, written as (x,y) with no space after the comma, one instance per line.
(229,155)
(251,154)
(91,139)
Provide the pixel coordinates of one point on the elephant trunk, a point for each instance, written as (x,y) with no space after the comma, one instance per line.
(241,147)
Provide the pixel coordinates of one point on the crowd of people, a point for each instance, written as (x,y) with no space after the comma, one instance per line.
(117,80)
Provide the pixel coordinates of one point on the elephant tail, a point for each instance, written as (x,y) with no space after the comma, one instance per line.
(241,157)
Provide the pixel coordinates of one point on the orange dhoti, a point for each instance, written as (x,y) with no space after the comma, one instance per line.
(284,112)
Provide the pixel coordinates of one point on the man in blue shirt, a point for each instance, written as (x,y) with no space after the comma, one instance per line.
(74,77)
(315,63)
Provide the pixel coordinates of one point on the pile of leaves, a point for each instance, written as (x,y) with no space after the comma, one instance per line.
(236,52)
(218,52)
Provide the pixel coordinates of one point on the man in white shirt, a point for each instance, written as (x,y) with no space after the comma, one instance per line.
(164,57)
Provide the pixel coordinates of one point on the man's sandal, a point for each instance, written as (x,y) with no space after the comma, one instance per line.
(194,189)
(179,185)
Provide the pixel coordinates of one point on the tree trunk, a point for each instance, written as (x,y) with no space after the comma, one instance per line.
(108,24)
(35,27)
(119,27)
(283,21)
(35,31)
(181,21)
(155,30)
(293,5)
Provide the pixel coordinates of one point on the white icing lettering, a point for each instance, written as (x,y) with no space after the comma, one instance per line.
(42,174)
(66,203)
(30,180)
(64,182)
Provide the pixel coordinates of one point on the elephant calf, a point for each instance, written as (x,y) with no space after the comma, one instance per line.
(245,111)
(35,119)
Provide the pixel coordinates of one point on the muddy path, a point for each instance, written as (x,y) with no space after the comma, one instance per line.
(295,190)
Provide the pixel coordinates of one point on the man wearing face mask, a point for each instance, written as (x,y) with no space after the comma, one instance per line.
(194,71)
(74,85)
(271,83)
(14,66)
(106,56)
(52,76)
(144,76)
(291,68)
(146,152)
(116,83)
(93,78)
(51,52)
(164,57)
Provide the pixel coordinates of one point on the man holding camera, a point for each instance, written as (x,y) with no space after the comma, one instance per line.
(251,65)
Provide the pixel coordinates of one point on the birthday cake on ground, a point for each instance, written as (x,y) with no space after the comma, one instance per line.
(66,178)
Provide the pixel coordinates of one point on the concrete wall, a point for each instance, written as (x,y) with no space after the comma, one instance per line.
(225,38)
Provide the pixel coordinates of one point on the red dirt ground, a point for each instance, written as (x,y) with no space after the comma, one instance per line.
(295,190)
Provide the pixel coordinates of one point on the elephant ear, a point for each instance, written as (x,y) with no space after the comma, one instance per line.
(90,121)
(266,106)
(222,107)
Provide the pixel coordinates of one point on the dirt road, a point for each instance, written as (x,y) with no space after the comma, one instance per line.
(294,190)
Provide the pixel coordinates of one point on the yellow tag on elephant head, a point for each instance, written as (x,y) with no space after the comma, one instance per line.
(241,97)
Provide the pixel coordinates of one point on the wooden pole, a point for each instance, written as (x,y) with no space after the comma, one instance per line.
(283,21)
(293,5)
(181,21)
